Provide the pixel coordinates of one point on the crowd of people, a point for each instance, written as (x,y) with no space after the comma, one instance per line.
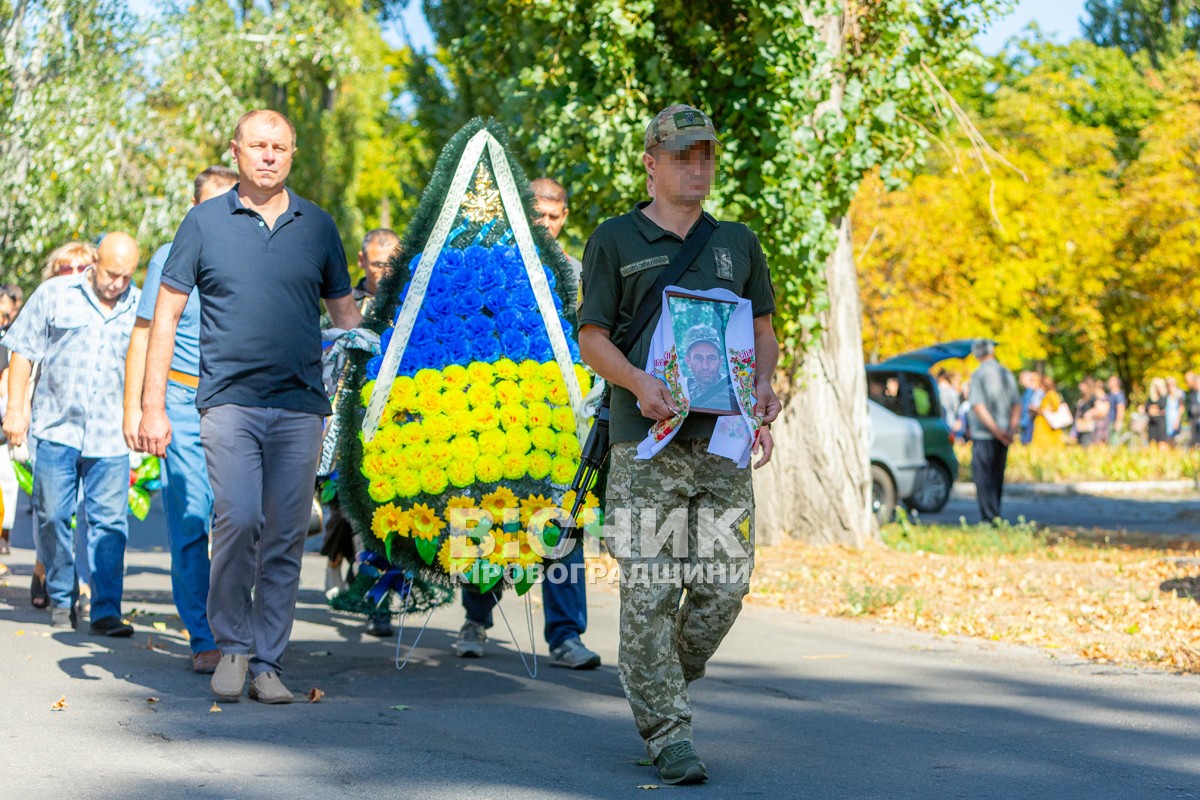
(1097,411)
(215,363)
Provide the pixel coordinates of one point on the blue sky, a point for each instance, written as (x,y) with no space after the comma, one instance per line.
(1058,19)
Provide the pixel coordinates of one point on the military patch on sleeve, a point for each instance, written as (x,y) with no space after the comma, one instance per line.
(724,259)
(644,264)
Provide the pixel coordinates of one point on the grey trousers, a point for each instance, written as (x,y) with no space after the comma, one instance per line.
(262,463)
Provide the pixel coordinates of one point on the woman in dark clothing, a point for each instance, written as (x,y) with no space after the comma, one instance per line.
(1156,410)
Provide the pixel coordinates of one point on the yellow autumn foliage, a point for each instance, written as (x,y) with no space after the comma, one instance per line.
(1067,256)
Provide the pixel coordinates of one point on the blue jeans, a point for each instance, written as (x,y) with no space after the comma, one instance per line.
(81,567)
(565,602)
(188,501)
(57,474)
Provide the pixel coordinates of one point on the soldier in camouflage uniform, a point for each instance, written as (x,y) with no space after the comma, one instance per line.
(683,520)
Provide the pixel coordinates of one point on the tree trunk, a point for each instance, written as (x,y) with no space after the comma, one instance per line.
(817,486)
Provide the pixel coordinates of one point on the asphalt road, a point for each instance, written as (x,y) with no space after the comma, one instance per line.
(793,707)
(1173,515)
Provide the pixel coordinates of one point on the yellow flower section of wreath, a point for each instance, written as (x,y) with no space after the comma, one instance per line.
(460,550)
(482,423)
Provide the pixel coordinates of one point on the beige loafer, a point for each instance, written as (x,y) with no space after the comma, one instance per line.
(230,677)
(267,688)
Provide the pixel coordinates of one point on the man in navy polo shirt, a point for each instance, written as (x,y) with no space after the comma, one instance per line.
(261,259)
(187,495)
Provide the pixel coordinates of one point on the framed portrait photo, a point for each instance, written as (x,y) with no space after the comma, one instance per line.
(698,324)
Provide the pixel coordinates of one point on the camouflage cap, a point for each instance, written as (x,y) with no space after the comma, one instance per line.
(678,126)
(700,333)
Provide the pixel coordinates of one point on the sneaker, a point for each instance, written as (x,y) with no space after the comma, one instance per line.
(380,626)
(470,640)
(678,764)
(267,688)
(62,618)
(230,676)
(205,662)
(574,654)
(111,626)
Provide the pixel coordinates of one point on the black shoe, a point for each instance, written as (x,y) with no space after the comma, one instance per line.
(380,626)
(38,596)
(62,618)
(111,626)
(678,764)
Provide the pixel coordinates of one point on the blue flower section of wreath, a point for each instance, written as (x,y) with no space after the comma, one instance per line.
(457,351)
(466,303)
(515,343)
(498,299)
(492,280)
(487,350)
(530,323)
(478,306)
(480,327)
(508,319)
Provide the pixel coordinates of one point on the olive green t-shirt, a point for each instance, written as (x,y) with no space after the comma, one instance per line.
(621,262)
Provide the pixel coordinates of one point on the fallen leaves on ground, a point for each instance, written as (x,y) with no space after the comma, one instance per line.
(315,695)
(153,645)
(60,704)
(1111,599)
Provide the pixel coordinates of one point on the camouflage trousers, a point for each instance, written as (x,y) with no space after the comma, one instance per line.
(681,526)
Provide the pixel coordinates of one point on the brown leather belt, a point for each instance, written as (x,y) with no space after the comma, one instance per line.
(182,377)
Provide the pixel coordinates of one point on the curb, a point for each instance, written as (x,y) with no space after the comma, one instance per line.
(1102,488)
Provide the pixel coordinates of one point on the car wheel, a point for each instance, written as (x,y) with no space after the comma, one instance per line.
(883,494)
(933,489)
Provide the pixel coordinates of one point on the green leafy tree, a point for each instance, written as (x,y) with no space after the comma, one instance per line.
(809,98)
(106,117)
(322,63)
(1161,29)
(80,152)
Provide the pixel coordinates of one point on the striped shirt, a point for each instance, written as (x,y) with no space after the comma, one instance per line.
(80,346)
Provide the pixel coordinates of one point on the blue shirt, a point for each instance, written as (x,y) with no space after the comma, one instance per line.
(187,335)
(260,291)
(1115,399)
(80,346)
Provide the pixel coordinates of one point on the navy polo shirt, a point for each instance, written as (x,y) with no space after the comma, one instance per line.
(260,291)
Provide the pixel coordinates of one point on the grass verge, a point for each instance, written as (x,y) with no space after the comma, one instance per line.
(1119,599)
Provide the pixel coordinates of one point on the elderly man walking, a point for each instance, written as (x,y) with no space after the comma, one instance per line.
(77,328)
(994,421)
(261,259)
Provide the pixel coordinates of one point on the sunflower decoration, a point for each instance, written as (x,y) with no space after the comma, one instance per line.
(457,468)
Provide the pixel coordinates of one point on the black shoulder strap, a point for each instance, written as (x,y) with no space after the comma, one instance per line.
(683,259)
